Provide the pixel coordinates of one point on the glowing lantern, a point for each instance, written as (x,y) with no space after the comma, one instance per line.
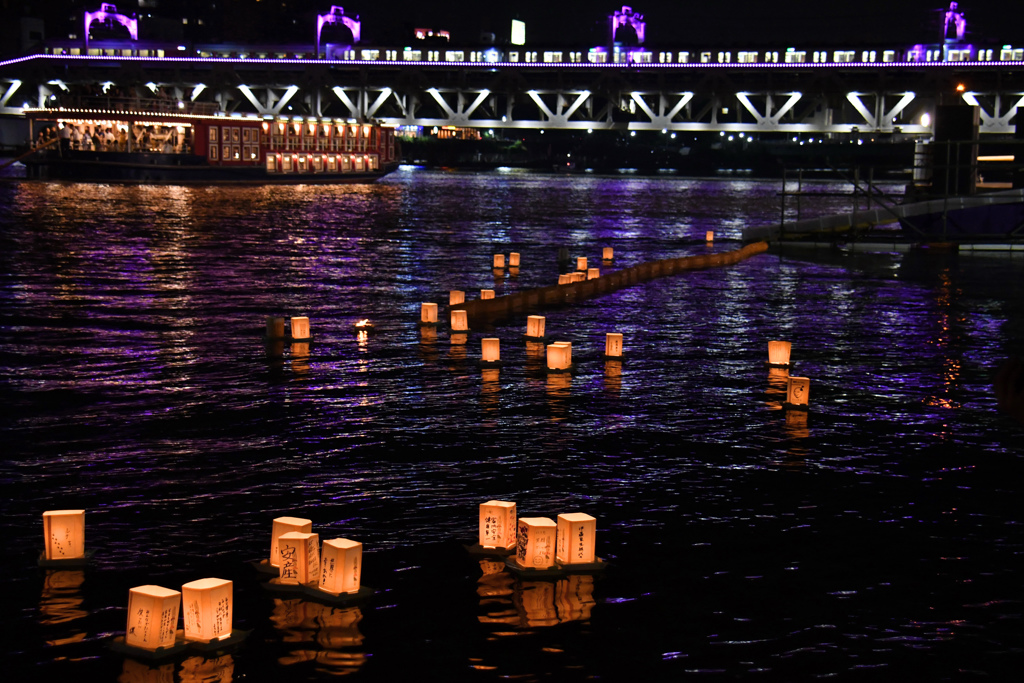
(490,350)
(207,609)
(64,534)
(559,356)
(498,524)
(577,532)
(797,391)
(300,558)
(460,320)
(283,525)
(300,328)
(593,273)
(535,326)
(275,327)
(613,345)
(778,353)
(428,314)
(499,261)
(565,279)
(579,276)
(608,254)
(152,617)
(513,259)
(456,297)
(535,543)
(486,293)
(342,566)
(709,236)
(581,263)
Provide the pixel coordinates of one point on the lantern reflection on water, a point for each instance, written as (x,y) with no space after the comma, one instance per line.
(152,617)
(576,538)
(61,599)
(283,525)
(208,609)
(342,566)
(64,534)
(133,671)
(203,670)
(300,558)
(535,543)
(497,527)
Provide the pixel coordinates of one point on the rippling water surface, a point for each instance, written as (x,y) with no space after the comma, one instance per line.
(878,537)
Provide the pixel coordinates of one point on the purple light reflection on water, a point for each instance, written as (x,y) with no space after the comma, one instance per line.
(136,385)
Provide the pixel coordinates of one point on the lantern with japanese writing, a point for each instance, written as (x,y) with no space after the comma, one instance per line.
(486,293)
(283,525)
(152,617)
(607,254)
(428,314)
(613,345)
(300,558)
(535,326)
(576,538)
(498,524)
(207,609)
(797,391)
(513,259)
(581,263)
(64,534)
(342,565)
(535,543)
(456,296)
(490,350)
(460,320)
(778,353)
(300,328)
(499,261)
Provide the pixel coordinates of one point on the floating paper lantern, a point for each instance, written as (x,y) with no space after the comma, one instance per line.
(283,525)
(498,524)
(579,276)
(152,617)
(577,533)
(499,261)
(486,293)
(613,345)
(778,353)
(559,356)
(64,534)
(709,236)
(490,351)
(428,313)
(797,391)
(581,263)
(300,328)
(513,260)
(207,608)
(565,278)
(593,273)
(608,254)
(300,558)
(535,543)
(535,326)
(456,297)
(460,320)
(275,327)
(342,566)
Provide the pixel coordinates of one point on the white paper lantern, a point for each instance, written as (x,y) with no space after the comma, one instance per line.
(283,525)
(300,327)
(342,566)
(535,543)
(64,534)
(559,357)
(207,608)
(798,390)
(577,533)
(490,350)
(300,558)
(613,345)
(152,617)
(535,326)
(428,313)
(460,320)
(498,524)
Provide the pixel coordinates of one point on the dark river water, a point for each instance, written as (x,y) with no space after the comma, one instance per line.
(878,537)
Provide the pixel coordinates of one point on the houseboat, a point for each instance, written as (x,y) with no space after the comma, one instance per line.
(170,142)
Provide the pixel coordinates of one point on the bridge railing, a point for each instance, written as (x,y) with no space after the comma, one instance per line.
(135,104)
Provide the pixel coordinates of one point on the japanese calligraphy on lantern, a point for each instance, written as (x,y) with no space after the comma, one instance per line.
(576,538)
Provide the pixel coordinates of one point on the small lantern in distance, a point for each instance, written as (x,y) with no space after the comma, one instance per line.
(490,350)
(778,354)
(613,345)
(152,617)
(579,276)
(565,279)
(300,328)
(499,262)
(64,534)
(709,236)
(456,296)
(797,392)
(577,533)
(283,525)
(342,566)
(513,259)
(428,314)
(593,273)
(581,263)
(608,254)
(535,327)
(207,609)
(486,293)
(535,543)
(460,320)
(300,558)
(498,524)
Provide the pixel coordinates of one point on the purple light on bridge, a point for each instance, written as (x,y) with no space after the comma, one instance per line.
(337,16)
(626,15)
(107,13)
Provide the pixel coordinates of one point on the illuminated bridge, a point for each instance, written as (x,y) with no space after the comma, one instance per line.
(767,90)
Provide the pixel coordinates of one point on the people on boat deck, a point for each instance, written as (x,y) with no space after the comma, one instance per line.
(86,140)
(65,137)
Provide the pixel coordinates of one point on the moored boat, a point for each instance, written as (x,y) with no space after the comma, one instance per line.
(160,142)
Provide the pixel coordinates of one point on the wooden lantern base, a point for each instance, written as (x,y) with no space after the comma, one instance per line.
(478,550)
(792,406)
(339,599)
(180,647)
(66,563)
(605,356)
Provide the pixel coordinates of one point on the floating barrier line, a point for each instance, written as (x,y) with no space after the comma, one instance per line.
(534,300)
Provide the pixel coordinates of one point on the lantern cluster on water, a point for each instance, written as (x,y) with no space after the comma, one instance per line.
(538,543)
